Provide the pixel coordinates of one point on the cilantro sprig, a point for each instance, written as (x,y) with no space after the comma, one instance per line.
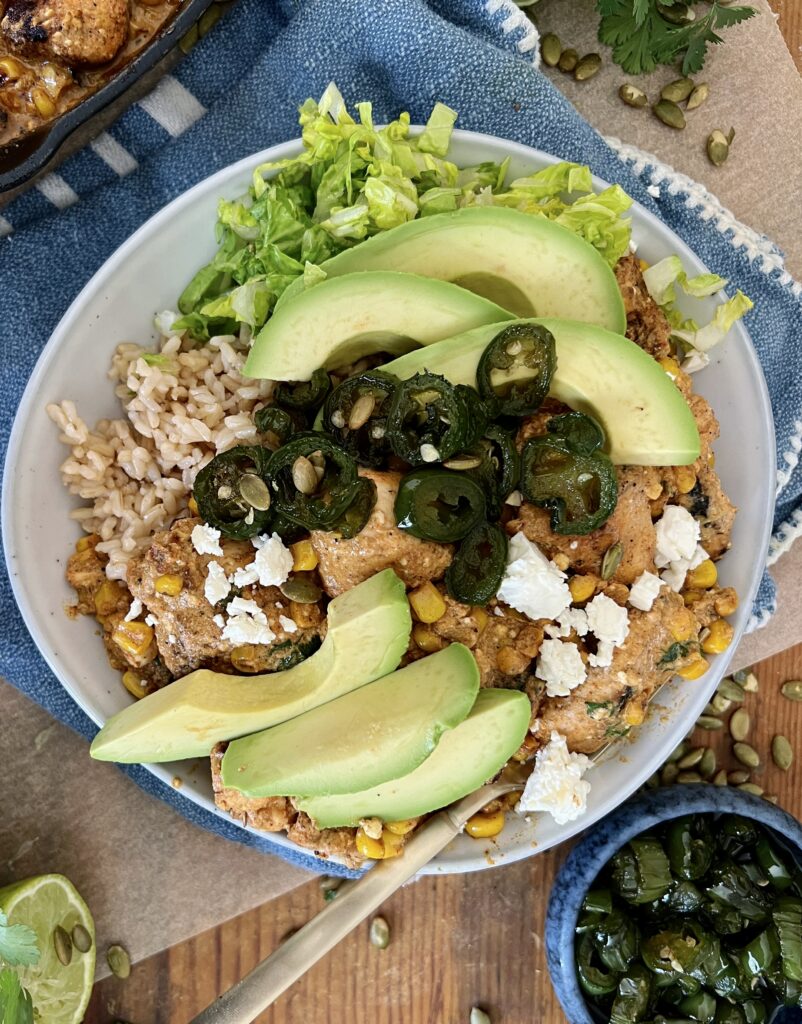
(18,948)
(641,38)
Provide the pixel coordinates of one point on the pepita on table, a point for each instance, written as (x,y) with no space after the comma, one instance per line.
(632,95)
(669,113)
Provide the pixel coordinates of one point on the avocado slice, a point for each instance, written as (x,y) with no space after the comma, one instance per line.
(374,734)
(646,420)
(525,263)
(464,760)
(368,632)
(342,319)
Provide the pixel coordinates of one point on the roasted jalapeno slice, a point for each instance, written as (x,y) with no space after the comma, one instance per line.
(278,425)
(313,480)
(439,505)
(515,370)
(690,847)
(582,433)
(305,395)
(594,977)
(477,568)
(497,468)
(428,420)
(632,997)
(580,490)
(231,492)
(355,413)
(353,520)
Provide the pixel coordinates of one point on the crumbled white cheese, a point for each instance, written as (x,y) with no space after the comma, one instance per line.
(674,575)
(603,658)
(532,584)
(288,625)
(171,638)
(607,620)
(218,620)
(247,623)
(134,611)
(206,540)
(560,666)
(244,606)
(498,611)
(164,321)
(695,361)
(151,620)
(429,453)
(644,591)
(654,191)
(575,619)
(271,566)
(677,534)
(217,586)
(556,784)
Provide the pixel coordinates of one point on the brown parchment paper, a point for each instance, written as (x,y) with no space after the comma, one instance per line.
(151,878)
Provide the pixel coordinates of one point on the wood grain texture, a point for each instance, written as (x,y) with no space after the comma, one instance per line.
(459,942)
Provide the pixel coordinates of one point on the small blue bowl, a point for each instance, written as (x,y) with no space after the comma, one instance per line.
(599,844)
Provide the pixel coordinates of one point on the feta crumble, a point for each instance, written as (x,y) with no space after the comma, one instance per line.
(271,566)
(677,534)
(575,619)
(206,540)
(219,621)
(287,624)
(644,591)
(532,584)
(151,620)
(134,611)
(556,784)
(560,666)
(603,658)
(607,620)
(217,586)
(247,623)
(674,575)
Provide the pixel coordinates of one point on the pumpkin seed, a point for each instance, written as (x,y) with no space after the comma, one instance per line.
(677,14)
(188,41)
(691,759)
(119,961)
(709,723)
(208,19)
(479,1016)
(740,724)
(782,752)
(771,799)
(361,411)
(568,60)
(677,91)
(669,113)
(62,944)
(632,95)
(463,462)
(749,682)
(379,933)
(731,690)
(669,774)
(612,560)
(698,96)
(550,49)
(254,490)
(738,777)
(746,755)
(677,752)
(301,589)
(718,146)
(750,787)
(721,704)
(684,777)
(707,766)
(587,67)
(304,477)
(720,778)
(81,939)
(792,690)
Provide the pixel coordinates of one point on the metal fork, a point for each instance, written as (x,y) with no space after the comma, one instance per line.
(355,901)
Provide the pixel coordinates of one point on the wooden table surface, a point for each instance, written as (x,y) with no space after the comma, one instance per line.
(456,942)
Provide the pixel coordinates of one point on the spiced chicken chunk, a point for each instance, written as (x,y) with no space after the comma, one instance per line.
(73,31)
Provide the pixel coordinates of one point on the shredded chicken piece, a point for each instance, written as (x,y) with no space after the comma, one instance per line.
(73,31)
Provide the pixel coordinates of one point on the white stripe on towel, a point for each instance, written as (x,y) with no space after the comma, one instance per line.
(6,227)
(173,106)
(112,153)
(56,189)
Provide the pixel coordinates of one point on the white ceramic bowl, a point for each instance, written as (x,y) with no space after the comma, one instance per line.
(146,275)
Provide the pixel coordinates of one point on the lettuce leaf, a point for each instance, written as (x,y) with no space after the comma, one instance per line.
(704,338)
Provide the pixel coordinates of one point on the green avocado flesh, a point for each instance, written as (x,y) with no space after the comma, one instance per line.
(376,733)
(340,320)
(368,632)
(646,420)
(527,264)
(464,760)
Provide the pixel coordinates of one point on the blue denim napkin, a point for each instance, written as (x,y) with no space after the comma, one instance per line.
(238,92)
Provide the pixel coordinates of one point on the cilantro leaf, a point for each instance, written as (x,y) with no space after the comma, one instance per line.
(16,1006)
(18,944)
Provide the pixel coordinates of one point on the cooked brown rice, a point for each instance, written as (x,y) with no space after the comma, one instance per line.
(136,473)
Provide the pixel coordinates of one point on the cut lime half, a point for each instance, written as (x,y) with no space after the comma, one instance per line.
(60,992)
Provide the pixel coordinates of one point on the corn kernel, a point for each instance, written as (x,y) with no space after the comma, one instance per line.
(654,490)
(371,848)
(634,714)
(726,602)
(133,684)
(562,561)
(511,662)
(643,264)
(392,843)
(243,658)
(43,103)
(718,638)
(192,505)
(480,617)
(582,588)
(11,69)
(427,603)
(683,625)
(304,558)
(670,365)
(703,577)
(690,597)
(685,479)
(711,460)
(84,543)
(108,596)
(694,669)
(426,639)
(401,828)
(170,584)
(133,637)
(485,826)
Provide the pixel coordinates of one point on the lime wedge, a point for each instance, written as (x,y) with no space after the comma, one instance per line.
(60,992)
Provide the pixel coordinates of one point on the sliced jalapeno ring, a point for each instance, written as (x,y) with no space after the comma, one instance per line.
(219,493)
(581,491)
(278,425)
(305,395)
(477,568)
(632,996)
(477,414)
(594,977)
(355,413)
(500,468)
(353,520)
(581,433)
(439,505)
(313,480)
(428,420)
(690,847)
(516,368)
